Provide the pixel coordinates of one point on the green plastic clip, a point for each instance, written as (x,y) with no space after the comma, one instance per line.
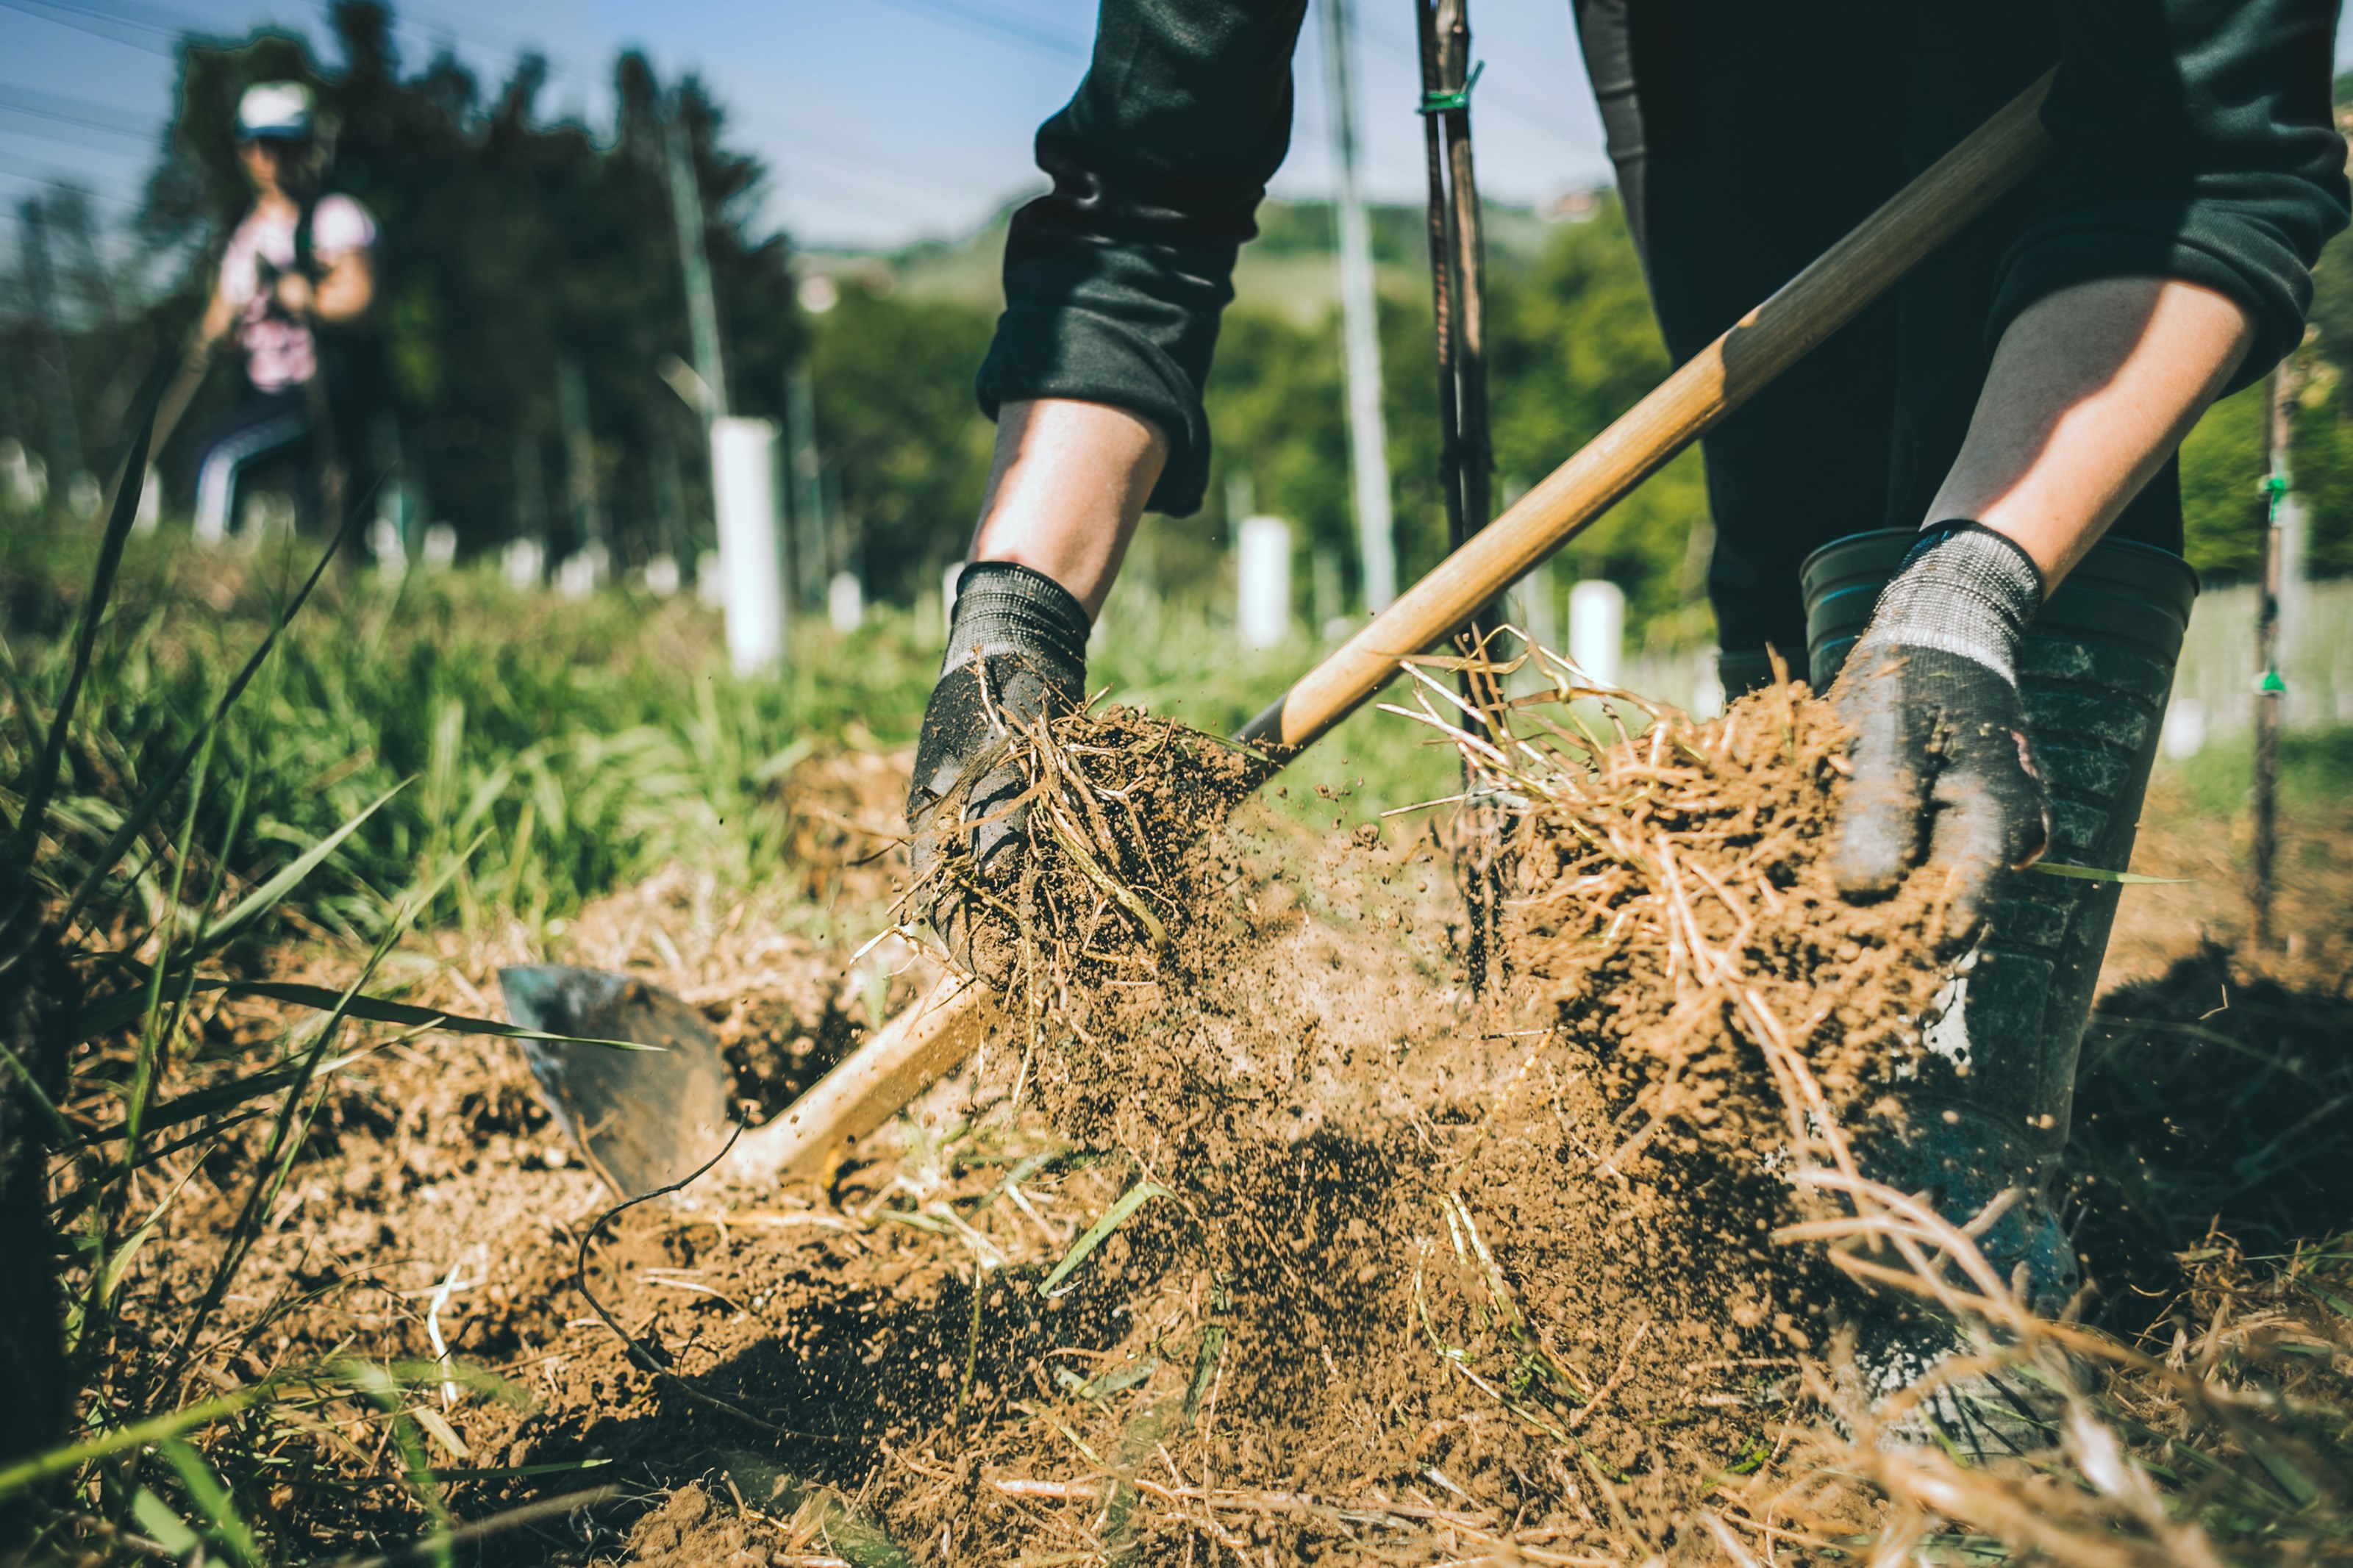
(2275,490)
(1448,102)
(2270,684)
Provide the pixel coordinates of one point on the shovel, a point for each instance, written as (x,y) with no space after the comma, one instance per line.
(643,1120)
(645,1096)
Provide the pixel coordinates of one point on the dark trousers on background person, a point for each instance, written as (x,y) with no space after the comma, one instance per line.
(1748,138)
(265,429)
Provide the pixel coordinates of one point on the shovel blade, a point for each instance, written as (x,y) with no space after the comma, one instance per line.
(642,1119)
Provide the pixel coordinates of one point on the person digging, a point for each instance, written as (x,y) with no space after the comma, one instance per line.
(2013,408)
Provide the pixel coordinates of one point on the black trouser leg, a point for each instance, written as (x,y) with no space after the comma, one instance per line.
(1748,138)
(1744,144)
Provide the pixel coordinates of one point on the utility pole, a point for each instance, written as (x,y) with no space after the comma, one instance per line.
(756,609)
(694,259)
(585,496)
(805,486)
(1369,460)
(66,462)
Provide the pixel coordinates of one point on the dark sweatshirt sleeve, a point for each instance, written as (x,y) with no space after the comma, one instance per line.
(2192,139)
(1114,281)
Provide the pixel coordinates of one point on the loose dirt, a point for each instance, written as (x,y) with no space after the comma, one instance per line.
(1399,1273)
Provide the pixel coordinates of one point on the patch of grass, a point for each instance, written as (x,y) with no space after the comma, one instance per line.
(584,743)
(2316,768)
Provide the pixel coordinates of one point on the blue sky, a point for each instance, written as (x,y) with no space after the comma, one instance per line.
(881,120)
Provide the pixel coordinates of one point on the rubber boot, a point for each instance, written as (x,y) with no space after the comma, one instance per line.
(1989,1109)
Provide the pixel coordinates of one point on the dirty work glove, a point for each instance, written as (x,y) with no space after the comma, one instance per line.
(1024,634)
(1941,757)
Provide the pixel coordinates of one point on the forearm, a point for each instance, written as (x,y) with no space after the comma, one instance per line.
(1066,490)
(1116,279)
(2091,389)
(219,316)
(346,292)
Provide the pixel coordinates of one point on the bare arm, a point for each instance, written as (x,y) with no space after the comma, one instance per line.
(220,315)
(348,288)
(343,294)
(1066,490)
(2090,390)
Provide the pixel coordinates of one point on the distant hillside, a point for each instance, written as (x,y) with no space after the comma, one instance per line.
(1289,269)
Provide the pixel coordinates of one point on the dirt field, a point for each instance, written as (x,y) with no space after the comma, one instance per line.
(1383,1298)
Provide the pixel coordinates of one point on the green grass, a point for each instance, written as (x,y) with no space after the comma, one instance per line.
(2315,769)
(550,751)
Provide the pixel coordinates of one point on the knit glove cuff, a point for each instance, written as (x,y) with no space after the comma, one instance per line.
(1963,590)
(1004,608)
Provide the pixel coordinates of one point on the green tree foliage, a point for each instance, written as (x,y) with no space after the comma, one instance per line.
(1572,346)
(898,422)
(1576,346)
(2223,467)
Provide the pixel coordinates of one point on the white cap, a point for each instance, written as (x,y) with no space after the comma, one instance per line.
(274,111)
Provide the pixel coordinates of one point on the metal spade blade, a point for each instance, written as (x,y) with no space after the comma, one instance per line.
(643,1120)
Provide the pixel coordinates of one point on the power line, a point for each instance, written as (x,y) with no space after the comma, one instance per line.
(834,153)
(78,111)
(1031,40)
(7,173)
(1527,114)
(66,138)
(96,24)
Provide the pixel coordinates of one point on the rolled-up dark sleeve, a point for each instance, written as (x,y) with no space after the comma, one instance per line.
(1114,280)
(2192,139)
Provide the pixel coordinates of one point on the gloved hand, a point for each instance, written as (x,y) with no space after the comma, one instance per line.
(1941,757)
(1021,637)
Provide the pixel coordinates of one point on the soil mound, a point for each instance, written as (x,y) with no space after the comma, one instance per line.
(1268,1242)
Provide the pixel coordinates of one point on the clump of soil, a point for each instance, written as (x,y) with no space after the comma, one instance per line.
(1114,819)
(1500,1266)
(1676,910)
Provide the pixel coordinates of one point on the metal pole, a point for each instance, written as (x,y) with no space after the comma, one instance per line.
(1476,463)
(1369,460)
(1439,235)
(1457,281)
(2271,690)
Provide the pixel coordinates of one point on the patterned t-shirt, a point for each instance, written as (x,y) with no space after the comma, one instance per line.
(279,351)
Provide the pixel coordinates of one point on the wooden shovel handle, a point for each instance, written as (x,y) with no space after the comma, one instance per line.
(872,1083)
(1678,411)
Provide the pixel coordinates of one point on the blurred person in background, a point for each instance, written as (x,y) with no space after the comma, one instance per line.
(2017,397)
(299,267)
